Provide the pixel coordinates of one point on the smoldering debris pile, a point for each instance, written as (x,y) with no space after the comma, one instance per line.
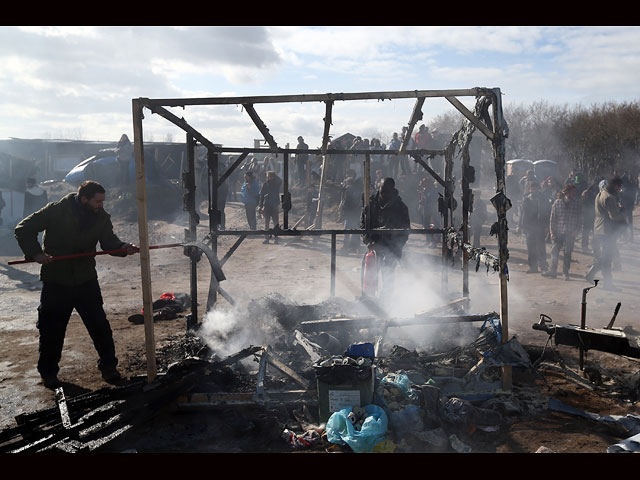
(321,378)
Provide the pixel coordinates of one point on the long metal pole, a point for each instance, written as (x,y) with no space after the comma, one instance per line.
(323,176)
(145,263)
(212,163)
(333,265)
(192,232)
(323,97)
(466,192)
(285,174)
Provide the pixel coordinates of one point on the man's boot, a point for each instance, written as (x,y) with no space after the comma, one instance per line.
(50,381)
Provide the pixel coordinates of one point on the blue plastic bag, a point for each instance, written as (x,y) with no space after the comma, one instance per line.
(409,419)
(401,381)
(342,432)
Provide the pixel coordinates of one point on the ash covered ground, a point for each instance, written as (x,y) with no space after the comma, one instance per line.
(278,286)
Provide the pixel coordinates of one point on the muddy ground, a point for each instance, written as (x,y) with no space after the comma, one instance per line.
(298,270)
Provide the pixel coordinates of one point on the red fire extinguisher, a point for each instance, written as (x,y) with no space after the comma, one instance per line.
(370,272)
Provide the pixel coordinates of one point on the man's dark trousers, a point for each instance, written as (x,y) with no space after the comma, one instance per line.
(56,305)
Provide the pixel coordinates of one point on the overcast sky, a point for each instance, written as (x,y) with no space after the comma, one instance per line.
(78,82)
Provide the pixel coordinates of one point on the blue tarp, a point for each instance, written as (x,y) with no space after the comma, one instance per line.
(105,169)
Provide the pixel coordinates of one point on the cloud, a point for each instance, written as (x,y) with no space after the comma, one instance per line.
(54,76)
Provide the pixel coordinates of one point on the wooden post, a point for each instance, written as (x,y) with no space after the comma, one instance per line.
(447,215)
(141,195)
(285,180)
(366,178)
(212,163)
(192,232)
(333,265)
(499,152)
(318,221)
(308,190)
(466,196)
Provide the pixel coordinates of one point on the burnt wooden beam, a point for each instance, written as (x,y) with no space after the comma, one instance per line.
(204,401)
(415,116)
(183,102)
(471,117)
(260,124)
(181,122)
(262,372)
(297,233)
(62,406)
(327,125)
(373,322)
(230,170)
(461,302)
(418,159)
(285,369)
(318,151)
(233,248)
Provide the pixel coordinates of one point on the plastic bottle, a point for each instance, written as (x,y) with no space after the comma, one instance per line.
(458,445)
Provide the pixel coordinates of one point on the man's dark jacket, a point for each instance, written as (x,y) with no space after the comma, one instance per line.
(69,229)
(394,214)
(270,193)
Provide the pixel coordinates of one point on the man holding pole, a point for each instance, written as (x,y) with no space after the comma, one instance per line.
(72,225)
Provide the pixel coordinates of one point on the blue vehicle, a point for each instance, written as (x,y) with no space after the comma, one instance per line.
(108,170)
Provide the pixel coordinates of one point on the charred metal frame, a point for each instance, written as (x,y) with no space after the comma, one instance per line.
(487,118)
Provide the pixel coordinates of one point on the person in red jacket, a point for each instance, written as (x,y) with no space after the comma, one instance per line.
(422,138)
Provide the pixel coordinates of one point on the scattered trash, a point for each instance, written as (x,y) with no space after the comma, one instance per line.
(360,350)
(342,431)
(330,343)
(463,413)
(631,444)
(437,438)
(385,446)
(404,401)
(458,445)
(629,423)
(308,439)
(407,420)
(312,349)
(544,449)
(167,307)
(399,381)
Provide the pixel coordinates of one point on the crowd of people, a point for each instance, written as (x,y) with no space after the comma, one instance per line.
(546,211)
(599,213)
(261,182)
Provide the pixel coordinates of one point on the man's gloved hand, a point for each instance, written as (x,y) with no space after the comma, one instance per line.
(130,249)
(43,258)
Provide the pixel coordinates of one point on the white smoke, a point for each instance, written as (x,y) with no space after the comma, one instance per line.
(227,332)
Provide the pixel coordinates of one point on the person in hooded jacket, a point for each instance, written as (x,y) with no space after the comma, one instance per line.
(74,224)
(533,222)
(609,224)
(588,198)
(386,210)
(34,198)
(269,206)
(250,192)
(349,209)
